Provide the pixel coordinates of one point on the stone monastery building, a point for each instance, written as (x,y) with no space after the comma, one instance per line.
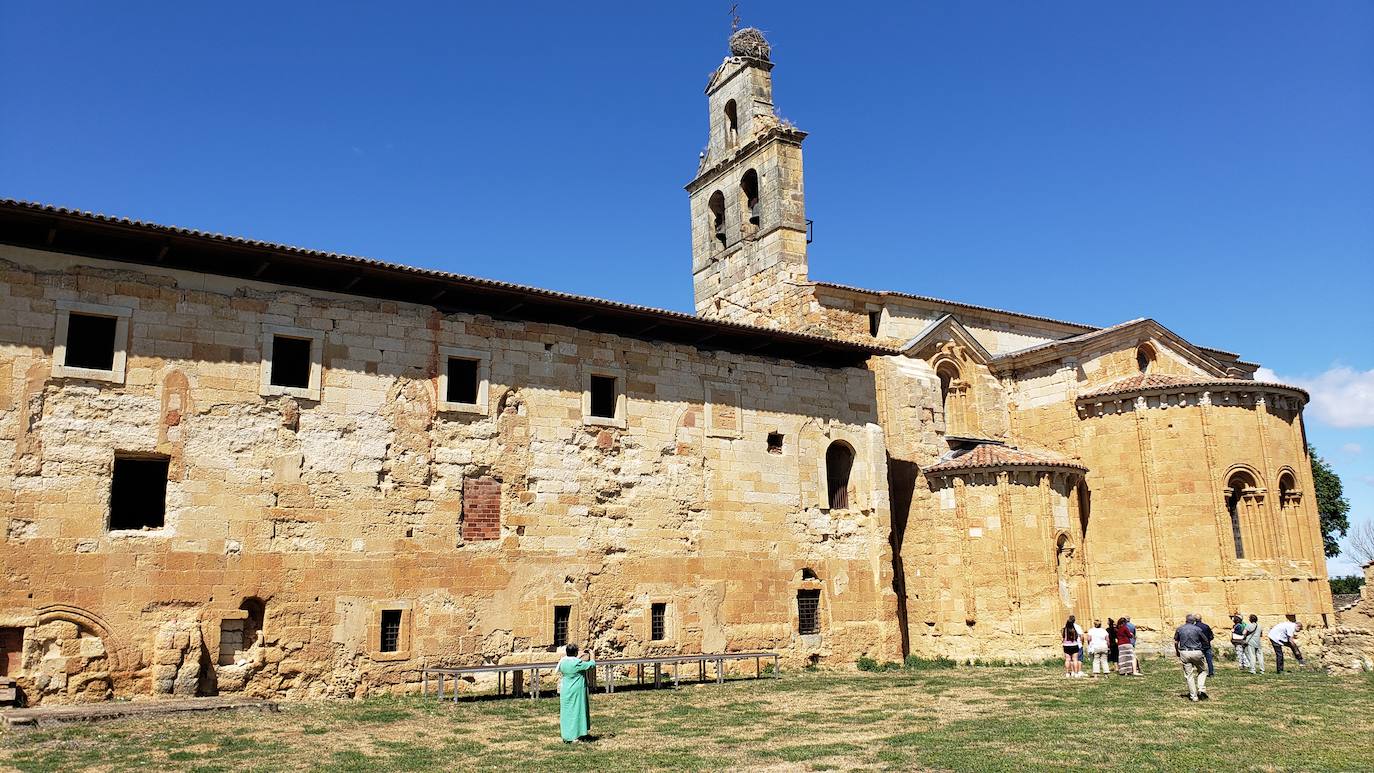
(236,467)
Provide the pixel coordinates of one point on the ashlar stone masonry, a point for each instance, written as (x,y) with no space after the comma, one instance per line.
(235,467)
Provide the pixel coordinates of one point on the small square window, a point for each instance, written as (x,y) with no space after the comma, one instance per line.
(774,442)
(658,629)
(463,381)
(808,611)
(561,615)
(138,493)
(290,362)
(391,630)
(90,341)
(603,397)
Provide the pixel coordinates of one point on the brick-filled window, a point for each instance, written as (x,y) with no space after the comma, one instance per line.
(603,396)
(658,615)
(290,362)
(481,509)
(561,615)
(138,493)
(808,611)
(391,630)
(90,341)
(464,382)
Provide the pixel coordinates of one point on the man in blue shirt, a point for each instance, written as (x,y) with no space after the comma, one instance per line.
(1189,643)
(1207,652)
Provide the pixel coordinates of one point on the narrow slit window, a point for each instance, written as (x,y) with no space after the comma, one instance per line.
(138,493)
(603,396)
(808,611)
(875,322)
(463,381)
(561,615)
(90,341)
(774,442)
(391,630)
(290,362)
(658,630)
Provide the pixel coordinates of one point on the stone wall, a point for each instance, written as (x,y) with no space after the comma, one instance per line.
(367,493)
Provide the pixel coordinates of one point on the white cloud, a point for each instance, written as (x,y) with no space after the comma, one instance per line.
(1351,448)
(1341,397)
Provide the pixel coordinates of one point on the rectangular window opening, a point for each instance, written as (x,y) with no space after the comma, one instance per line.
(463,382)
(391,630)
(90,341)
(774,442)
(561,615)
(11,651)
(603,396)
(138,493)
(875,321)
(808,612)
(290,362)
(658,631)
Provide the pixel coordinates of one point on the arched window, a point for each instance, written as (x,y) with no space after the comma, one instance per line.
(252,625)
(839,461)
(1239,489)
(1063,569)
(716,207)
(809,574)
(749,197)
(1144,357)
(952,396)
(731,124)
(1290,514)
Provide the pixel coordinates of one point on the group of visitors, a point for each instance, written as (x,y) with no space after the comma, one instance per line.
(1193,645)
(1115,644)
(1112,646)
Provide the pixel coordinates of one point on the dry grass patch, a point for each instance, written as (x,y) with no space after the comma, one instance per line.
(970,718)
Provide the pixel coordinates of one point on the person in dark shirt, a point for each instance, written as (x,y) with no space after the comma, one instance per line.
(1189,642)
(1207,652)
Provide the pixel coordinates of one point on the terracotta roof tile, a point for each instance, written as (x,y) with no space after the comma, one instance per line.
(1159,381)
(996,456)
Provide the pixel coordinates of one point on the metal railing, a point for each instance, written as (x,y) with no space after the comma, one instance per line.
(659,663)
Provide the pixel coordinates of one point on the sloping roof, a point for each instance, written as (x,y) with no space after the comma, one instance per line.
(1040,352)
(1146,382)
(1087,329)
(994,456)
(58,229)
(956,304)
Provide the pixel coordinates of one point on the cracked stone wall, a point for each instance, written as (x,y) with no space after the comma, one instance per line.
(333,510)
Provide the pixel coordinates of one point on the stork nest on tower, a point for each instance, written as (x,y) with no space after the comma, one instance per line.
(750,42)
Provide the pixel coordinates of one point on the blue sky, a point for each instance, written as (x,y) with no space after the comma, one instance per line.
(1209,165)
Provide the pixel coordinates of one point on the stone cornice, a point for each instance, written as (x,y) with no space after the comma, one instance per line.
(756,143)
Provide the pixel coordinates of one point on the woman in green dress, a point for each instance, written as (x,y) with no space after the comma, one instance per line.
(574,708)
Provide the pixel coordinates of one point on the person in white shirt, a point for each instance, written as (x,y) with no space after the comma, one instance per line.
(1098,647)
(1285,634)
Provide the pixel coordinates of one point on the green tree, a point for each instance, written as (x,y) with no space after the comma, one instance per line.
(1332,505)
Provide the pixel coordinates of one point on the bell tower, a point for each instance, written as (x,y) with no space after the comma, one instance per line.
(748,212)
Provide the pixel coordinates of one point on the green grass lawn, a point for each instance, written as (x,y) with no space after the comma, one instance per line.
(987,719)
